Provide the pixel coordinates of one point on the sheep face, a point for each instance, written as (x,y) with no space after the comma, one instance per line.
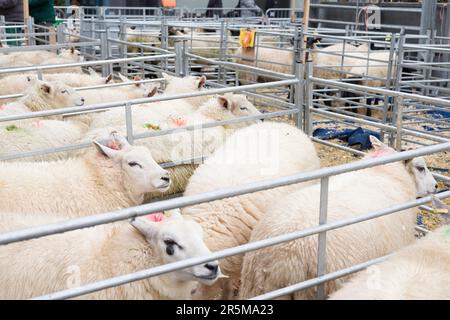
(71,54)
(239,105)
(148,89)
(58,95)
(417,168)
(140,171)
(184,85)
(425,182)
(177,238)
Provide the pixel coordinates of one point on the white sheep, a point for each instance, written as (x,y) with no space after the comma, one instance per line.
(60,262)
(177,85)
(349,195)
(182,144)
(121,93)
(258,152)
(30,58)
(328,58)
(116,175)
(157,110)
(18,83)
(419,271)
(43,95)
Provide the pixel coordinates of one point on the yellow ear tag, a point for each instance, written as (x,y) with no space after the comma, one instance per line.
(440,211)
(247,38)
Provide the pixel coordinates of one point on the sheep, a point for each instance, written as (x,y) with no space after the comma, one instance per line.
(161,109)
(349,195)
(42,95)
(258,152)
(116,175)
(18,83)
(183,145)
(123,93)
(60,262)
(177,85)
(41,57)
(419,271)
(322,57)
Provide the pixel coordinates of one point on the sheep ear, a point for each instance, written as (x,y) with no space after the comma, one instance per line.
(441,208)
(201,82)
(115,144)
(123,78)
(106,151)
(377,144)
(148,227)
(91,71)
(46,88)
(109,78)
(224,102)
(152,92)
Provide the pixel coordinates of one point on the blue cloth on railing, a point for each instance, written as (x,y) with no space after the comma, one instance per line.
(439,114)
(351,136)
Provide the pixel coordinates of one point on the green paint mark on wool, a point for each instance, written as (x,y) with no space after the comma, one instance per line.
(447,231)
(152,126)
(12,127)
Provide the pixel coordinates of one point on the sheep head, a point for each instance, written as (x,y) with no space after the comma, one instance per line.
(141,174)
(178,238)
(416,167)
(51,95)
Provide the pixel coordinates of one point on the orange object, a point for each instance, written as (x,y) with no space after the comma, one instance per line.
(247,38)
(169,3)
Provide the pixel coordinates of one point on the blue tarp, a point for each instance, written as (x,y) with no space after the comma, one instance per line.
(351,136)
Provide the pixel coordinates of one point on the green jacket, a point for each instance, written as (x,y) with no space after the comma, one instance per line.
(42,11)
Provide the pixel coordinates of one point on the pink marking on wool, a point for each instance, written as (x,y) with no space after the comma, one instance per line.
(178,121)
(156,217)
(37,123)
(2,107)
(380,152)
(113,145)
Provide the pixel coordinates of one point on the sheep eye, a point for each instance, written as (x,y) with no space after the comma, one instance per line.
(64,91)
(421,169)
(170,246)
(243,108)
(134,164)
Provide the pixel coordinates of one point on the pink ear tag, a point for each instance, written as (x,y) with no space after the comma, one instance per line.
(156,217)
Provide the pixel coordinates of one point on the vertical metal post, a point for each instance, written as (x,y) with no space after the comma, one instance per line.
(297,93)
(30,30)
(428,17)
(185,66)
(2,30)
(399,122)
(39,74)
(179,59)
(129,123)
(399,70)
(296,58)
(308,98)
(104,51)
(322,241)
(60,38)
(123,49)
(222,52)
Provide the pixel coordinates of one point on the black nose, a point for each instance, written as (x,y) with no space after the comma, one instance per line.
(82,100)
(436,186)
(212,267)
(166,179)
